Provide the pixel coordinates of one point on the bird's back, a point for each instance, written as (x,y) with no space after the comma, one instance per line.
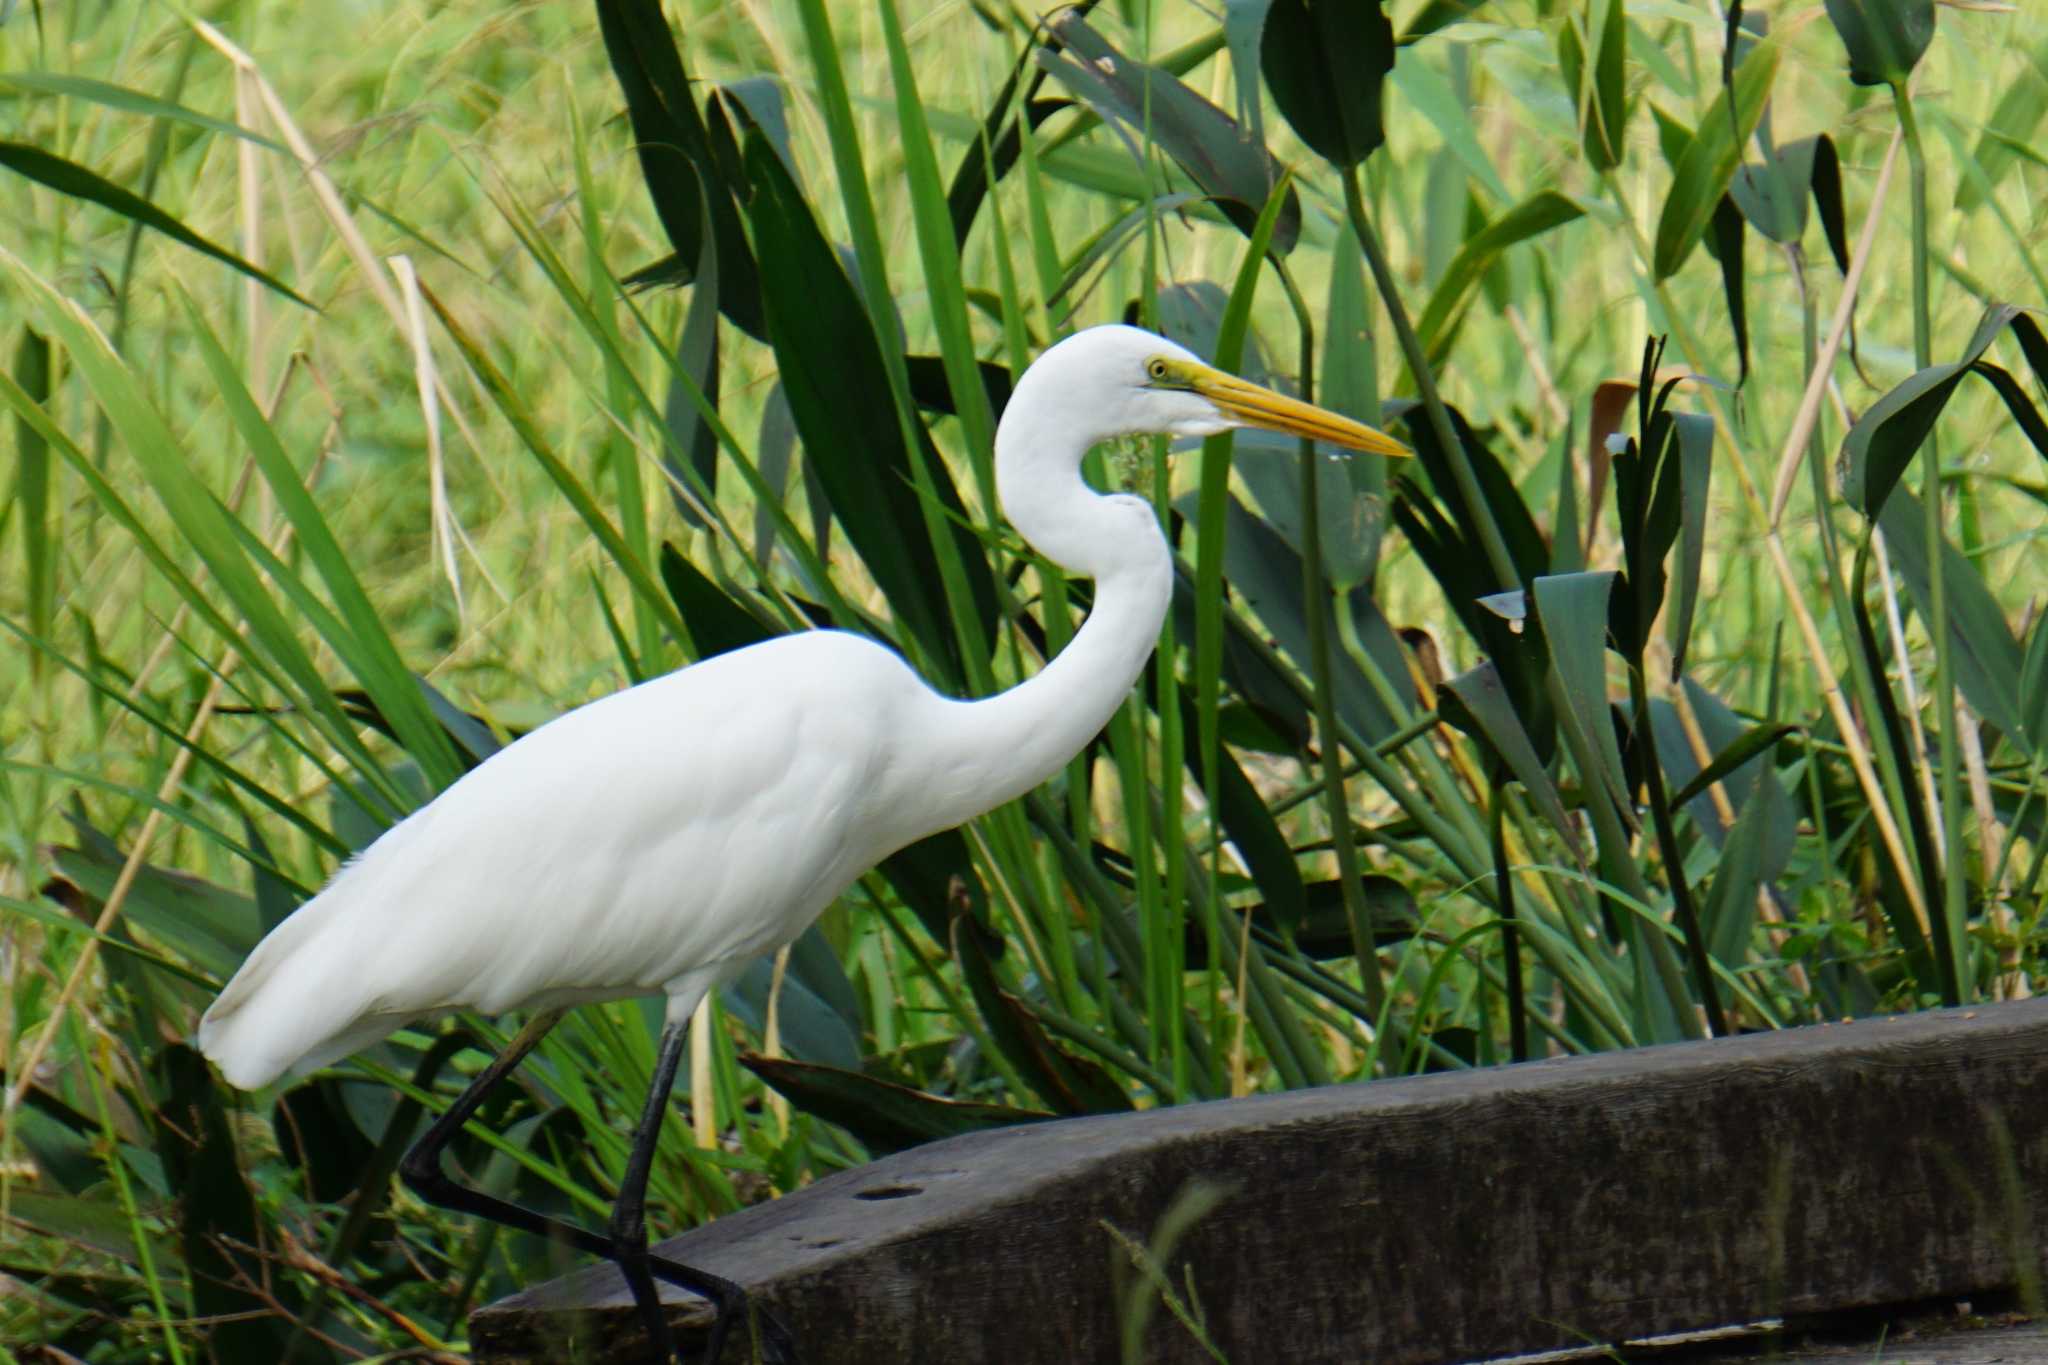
(650,841)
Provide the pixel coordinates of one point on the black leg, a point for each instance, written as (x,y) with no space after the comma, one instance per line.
(629,1210)
(629,1229)
(423,1175)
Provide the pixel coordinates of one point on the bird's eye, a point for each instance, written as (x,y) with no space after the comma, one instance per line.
(1157,369)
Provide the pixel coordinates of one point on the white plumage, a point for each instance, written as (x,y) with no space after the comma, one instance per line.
(659,839)
(644,843)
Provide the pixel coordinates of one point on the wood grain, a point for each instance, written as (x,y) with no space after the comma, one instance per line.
(1437,1218)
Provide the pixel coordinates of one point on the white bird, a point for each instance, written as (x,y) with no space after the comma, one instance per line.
(660,839)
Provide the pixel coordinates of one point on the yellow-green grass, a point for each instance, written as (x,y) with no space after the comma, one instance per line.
(461,120)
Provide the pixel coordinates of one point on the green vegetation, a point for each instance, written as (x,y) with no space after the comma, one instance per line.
(374,393)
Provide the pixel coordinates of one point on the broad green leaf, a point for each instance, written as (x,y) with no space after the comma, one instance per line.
(1450,212)
(839,396)
(716,623)
(1694,433)
(1772,193)
(1504,501)
(275,897)
(1354,519)
(94,1224)
(1244,33)
(1892,430)
(1597,88)
(1324,934)
(815,962)
(214,1207)
(1827,198)
(315,1133)
(1484,710)
(963,586)
(1071,1084)
(128,102)
(1265,571)
(1239,173)
(1004,136)
(209,925)
(1573,608)
(760,104)
(2033,686)
(1724,241)
(1326,62)
(32,483)
(1537,214)
(1723,732)
(811,1029)
(696,350)
(886,1117)
(1728,910)
(469,732)
(1567,552)
(1673,137)
(69,178)
(1885,38)
(774,450)
(1454,559)
(1987,659)
(676,160)
(1351,520)
(1757,739)
(1247,823)
(1708,163)
(1273,715)
(59,1140)
(1192,313)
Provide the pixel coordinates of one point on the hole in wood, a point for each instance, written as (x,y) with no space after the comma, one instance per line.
(889,1192)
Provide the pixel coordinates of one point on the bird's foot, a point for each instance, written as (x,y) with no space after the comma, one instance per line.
(768,1340)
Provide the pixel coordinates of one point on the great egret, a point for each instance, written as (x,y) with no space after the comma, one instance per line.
(660,839)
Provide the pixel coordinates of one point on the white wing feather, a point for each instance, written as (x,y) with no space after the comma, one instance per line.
(651,841)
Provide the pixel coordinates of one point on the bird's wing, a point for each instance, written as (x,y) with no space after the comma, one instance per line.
(696,820)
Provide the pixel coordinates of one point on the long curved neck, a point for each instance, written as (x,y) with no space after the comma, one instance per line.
(1019,738)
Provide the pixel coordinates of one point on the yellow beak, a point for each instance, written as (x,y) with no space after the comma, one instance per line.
(1261,407)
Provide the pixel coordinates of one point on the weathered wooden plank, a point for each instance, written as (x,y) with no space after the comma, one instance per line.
(1437,1218)
(1920,1336)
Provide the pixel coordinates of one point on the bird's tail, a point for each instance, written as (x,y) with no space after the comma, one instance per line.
(295,1004)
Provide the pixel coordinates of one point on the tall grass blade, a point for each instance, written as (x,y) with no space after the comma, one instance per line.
(676,160)
(1707,167)
(358,636)
(75,181)
(32,483)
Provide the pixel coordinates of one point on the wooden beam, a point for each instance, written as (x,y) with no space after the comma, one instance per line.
(1437,1218)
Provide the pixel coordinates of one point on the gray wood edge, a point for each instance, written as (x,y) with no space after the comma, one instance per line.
(1437,1218)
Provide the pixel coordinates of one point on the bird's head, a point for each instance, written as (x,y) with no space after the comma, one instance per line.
(1127,380)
